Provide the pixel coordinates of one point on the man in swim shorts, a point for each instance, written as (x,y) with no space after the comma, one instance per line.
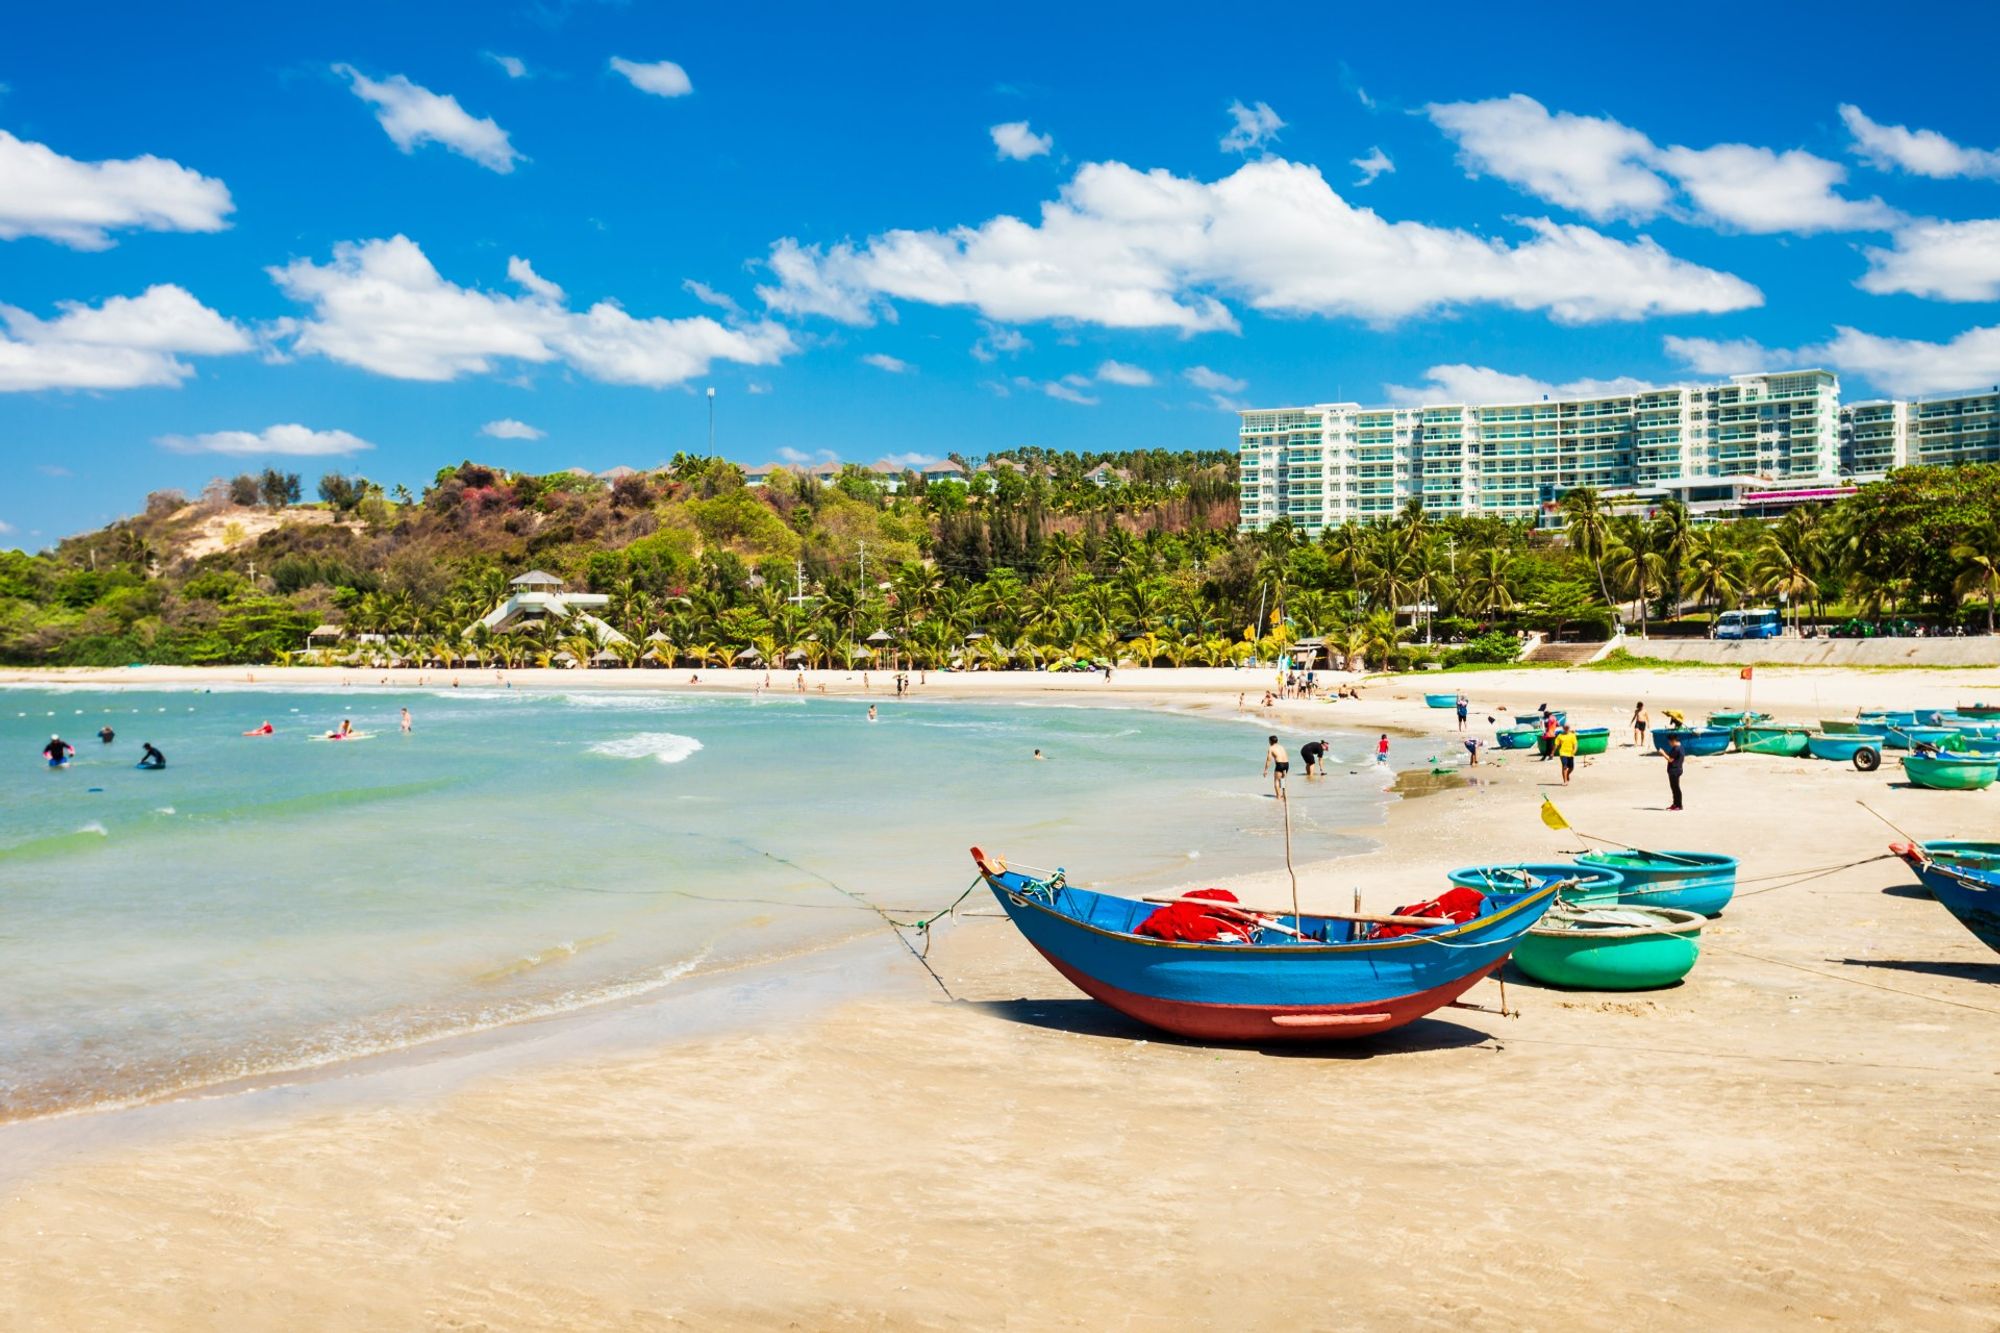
(58,751)
(1314,754)
(1277,763)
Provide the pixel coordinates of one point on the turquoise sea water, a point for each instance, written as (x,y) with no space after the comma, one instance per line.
(280,903)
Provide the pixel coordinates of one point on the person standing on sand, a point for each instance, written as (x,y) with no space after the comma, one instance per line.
(1676,758)
(1464,706)
(1277,763)
(1639,723)
(1548,741)
(1566,751)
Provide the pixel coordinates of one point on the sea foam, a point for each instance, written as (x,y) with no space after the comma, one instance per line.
(666,746)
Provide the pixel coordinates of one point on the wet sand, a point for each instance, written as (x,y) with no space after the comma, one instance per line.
(1806,1131)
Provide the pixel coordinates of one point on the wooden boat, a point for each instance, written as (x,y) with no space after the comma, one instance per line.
(1694,740)
(1611,948)
(1981,711)
(1861,751)
(1730,721)
(1518,738)
(1304,978)
(1972,896)
(1964,854)
(1593,740)
(1952,772)
(1701,882)
(1440,701)
(1839,726)
(1535,719)
(1577,883)
(1765,738)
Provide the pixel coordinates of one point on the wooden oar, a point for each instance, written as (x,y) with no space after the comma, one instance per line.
(1241,910)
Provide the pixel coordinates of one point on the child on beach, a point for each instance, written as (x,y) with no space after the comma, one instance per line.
(1382,749)
(1566,751)
(1639,723)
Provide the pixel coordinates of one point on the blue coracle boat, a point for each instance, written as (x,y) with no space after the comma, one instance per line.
(1440,701)
(1972,896)
(1578,883)
(1304,978)
(1694,740)
(1692,881)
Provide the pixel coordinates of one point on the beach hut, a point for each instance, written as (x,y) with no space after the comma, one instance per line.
(748,657)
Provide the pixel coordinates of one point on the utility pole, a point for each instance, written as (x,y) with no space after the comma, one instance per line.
(799,574)
(711,421)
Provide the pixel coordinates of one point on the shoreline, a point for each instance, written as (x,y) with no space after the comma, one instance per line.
(1822,1085)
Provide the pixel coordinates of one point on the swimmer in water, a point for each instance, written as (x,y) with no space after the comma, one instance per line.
(406,720)
(1277,763)
(150,757)
(871,718)
(106,734)
(58,751)
(265,730)
(1040,755)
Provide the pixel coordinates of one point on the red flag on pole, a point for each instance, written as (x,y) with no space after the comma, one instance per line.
(1744,674)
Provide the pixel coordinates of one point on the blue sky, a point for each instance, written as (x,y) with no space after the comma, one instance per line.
(361,237)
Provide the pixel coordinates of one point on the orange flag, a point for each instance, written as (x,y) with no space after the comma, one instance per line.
(1744,674)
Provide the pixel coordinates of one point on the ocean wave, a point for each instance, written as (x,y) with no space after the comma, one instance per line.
(665,746)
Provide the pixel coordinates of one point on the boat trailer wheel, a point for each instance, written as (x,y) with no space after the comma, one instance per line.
(1868,759)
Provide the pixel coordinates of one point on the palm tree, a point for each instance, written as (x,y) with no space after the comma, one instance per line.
(1979,567)
(1713,574)
(1638,569)
(1784,564)
(1487,587)
(1587,525)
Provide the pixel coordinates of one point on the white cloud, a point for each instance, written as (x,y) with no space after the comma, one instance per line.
(1709,356)
(1070,388)
(1117,372)
(125,343)
(1016,142)
(414,115)
(1595,166)
(43,193)
(1605,169)
(801,457)
(516,67)
(662,78)
(1482,384)
(506,428)
(1758,190)
(1903,367)
(382,306)
(5,527)
(1947,261)
(290,440)
(1213,380)
(756,389)
(707,295)
(1376,163)
(998,342)
(1251,127)
(1122,248)
(883,361)
(1920,152)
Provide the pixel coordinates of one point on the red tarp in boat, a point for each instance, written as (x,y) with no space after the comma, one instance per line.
(1197,924)
(1459,904)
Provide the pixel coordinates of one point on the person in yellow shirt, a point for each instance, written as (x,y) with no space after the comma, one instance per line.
(1566,751)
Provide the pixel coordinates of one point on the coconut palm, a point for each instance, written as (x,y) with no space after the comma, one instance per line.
(1587,525)
(1978,559)
(1638,568)
(1487,588)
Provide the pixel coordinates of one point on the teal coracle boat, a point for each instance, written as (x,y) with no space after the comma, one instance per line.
(1846,749)
(1614,948)
(1577,883)
(1518,738)
(1888,717)
(1839,726)
(1760,738)
(1733,720)
(1694,740)
(1952,772)
(1593,740)
(1440,701)
(1701,882)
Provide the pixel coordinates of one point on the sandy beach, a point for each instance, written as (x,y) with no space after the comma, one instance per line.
(1806,1131)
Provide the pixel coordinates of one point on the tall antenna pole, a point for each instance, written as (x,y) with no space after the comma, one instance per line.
(711,421)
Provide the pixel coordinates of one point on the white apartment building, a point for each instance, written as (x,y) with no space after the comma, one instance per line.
(1877,436)
(1332,463)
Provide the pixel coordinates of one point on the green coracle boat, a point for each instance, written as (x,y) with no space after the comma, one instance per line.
(1765,739)
(1732,720)
(1593,740)
(1952,772)
(1611,948)
(1839,726)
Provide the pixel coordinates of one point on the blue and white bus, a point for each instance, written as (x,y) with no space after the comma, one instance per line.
(1761,624)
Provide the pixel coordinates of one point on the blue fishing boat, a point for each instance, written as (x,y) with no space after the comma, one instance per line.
(1888,717)
(1694,740)
(1901,738)
(1972,896)
(1535,719)
(1581,884)
(1692,881)
(1964,854)
(1846,749)
(1928,717)
(1440,701)
(1283,978)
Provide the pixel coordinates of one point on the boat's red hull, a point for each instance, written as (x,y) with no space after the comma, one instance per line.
(1264,1023)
